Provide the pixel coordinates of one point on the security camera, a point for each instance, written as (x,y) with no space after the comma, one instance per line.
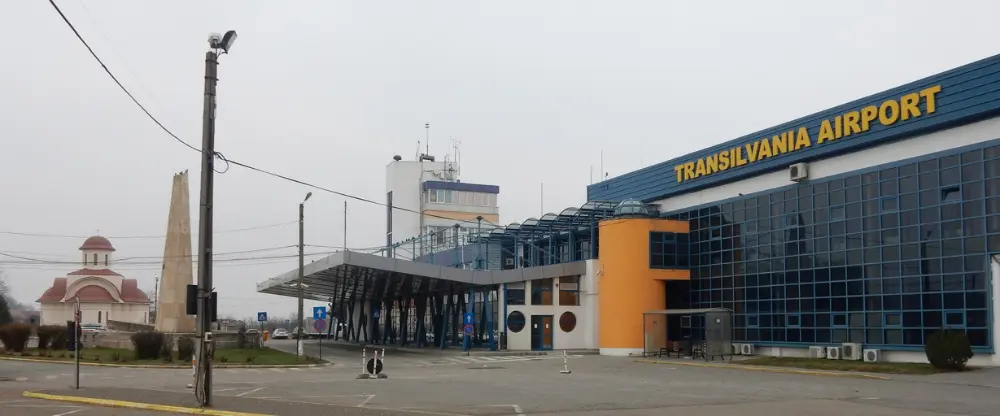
(214,39)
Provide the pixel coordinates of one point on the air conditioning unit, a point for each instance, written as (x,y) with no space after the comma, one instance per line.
(872,356)
(834,353)
(851,351)
(508,261)
(798,172)
(736,348)
(817,352)
(746,349)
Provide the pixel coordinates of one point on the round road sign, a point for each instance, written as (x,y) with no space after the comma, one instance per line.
(319,325)
(374,366)
(468,330)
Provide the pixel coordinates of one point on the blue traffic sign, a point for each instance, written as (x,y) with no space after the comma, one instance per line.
(468,329)
(469,317)
(261,316)
(319,312)
(377,313)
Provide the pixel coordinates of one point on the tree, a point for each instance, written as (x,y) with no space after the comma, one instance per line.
(5,317)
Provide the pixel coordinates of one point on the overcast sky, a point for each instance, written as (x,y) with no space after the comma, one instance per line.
(328,91)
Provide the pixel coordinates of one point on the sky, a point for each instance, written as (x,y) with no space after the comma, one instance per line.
(538,92)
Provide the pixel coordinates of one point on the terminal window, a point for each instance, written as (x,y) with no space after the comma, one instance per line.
(883,257)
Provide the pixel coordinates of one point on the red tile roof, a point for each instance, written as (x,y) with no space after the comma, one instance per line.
(97,243)
(131,292)
(94,272)
(94,293)
(56,292)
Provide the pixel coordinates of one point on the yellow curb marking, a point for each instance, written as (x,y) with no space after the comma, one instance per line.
(770,369)
(135,405)
(90,363)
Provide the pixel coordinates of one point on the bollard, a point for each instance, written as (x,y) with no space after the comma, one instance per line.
(565,369)
(364,360)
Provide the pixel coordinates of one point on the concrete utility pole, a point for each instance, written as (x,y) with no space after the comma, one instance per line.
(302,262)
(217,43)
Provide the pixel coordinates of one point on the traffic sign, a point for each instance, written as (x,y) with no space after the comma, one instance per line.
(319,312)
(261,316)
(377,313)
(374,366)
(319,325)
(469,318)
(468,329)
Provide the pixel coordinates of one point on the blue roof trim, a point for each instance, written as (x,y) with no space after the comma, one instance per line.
(968,93)
(461,186)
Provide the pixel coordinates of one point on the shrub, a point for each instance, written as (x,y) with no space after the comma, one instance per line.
(60,340)
(185,349)
(47,334)
(948,349)
(148,345)
(15,336)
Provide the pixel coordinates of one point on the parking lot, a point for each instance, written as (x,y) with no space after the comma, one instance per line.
(523,385)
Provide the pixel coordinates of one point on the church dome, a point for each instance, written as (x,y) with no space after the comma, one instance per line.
(97,243)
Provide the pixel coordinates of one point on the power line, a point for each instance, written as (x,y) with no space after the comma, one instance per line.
(234,162)
(113,77)
(141,237)
(31,260)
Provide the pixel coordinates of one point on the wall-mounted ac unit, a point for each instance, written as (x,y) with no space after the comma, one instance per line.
(508,261)
(851,350)
(746,349)
(817,352)
(834,353)
(798,172)
(736,348)
(872,355)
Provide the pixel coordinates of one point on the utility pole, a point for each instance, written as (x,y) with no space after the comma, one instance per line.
(302,245)
(217,44)
(345,225)
(156,297)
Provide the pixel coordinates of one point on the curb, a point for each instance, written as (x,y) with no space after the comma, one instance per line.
(817,373)
(135,405)
(93,364)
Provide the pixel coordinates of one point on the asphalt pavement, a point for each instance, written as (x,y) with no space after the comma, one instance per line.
(596,386)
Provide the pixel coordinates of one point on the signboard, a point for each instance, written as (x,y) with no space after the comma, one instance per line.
(377,313)
(468,329)
(319,325)
(374,366)
(319,312)
(261,316)
(469,318)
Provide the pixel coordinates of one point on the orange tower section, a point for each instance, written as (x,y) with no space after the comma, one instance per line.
(627,286)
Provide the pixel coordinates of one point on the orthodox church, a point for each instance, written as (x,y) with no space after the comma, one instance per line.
(103,293)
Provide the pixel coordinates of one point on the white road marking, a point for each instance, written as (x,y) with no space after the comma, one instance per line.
(370,397)
(251,391)
(69,412)
(517,409)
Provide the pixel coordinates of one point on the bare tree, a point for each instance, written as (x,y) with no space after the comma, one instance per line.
(5,301)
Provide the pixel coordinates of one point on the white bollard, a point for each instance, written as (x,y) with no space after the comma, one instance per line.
(565,363)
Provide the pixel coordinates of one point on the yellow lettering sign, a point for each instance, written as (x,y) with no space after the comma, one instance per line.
(848,124)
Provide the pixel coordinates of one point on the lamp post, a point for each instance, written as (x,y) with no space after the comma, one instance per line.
(218,44)
(302,245)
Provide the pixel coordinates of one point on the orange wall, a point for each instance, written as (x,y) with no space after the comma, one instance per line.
(628,287)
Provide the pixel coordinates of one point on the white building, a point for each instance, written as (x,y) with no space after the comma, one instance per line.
(103,293)
(434,189)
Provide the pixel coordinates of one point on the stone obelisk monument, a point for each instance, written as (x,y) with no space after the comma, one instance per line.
(178,270)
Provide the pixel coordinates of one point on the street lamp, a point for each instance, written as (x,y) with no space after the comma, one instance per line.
(203,377)
(302,244)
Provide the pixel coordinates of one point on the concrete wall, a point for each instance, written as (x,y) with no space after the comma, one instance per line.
(94,313)
(584,336)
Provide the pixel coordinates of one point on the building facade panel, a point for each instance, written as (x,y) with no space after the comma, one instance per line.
(882,256)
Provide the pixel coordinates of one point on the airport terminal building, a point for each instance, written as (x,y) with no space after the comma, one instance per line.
(876,222)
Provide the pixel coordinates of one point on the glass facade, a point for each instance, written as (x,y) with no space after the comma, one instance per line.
(882,257)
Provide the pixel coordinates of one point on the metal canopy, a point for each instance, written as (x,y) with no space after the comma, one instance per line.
(569,219)
(344,271)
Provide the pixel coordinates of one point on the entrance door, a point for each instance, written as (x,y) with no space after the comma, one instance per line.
(541,332)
